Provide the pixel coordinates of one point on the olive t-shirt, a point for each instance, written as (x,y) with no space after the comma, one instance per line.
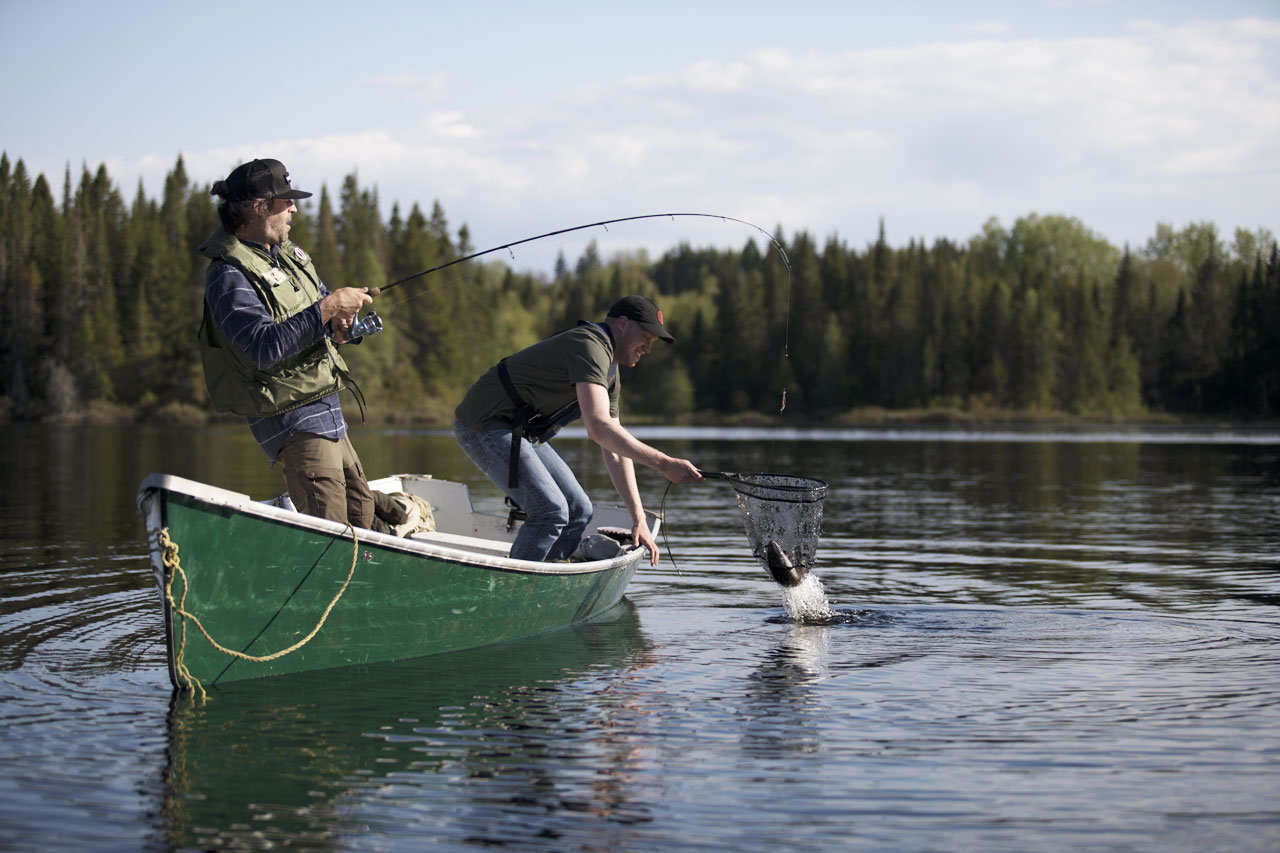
(544,375)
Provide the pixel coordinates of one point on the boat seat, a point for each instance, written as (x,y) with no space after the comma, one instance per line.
(466,543)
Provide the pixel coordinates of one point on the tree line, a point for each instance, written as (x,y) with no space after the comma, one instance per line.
(103,297)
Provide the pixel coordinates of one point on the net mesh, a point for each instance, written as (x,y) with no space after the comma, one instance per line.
(781,508)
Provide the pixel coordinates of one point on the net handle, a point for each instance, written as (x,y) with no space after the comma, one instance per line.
(717,475)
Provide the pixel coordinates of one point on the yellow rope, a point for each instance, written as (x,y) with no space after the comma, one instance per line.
(169,551)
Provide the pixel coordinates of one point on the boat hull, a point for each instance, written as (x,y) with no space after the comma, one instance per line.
(259,579)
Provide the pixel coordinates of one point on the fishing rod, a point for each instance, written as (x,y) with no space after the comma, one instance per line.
(376,291)
(371,323)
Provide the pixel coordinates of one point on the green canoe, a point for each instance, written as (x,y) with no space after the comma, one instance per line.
(252,589)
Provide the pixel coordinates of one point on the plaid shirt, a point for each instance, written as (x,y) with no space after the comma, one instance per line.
(245,321)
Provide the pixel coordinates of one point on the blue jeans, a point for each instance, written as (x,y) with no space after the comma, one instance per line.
(558,509)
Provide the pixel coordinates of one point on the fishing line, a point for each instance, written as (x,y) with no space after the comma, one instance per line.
(662,514)
(458,279)
(603,223)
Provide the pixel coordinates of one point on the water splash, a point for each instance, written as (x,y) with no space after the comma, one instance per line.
(806,602)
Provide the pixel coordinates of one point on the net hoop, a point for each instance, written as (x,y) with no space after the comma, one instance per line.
(783,488)
(782,516)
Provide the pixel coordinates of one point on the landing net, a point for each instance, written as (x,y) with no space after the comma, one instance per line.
(780,508)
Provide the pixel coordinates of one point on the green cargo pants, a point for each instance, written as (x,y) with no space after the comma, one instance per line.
(325,479)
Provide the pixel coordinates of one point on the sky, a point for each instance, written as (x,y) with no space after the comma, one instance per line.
(824,117)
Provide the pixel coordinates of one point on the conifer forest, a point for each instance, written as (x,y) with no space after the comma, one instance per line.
(103,294)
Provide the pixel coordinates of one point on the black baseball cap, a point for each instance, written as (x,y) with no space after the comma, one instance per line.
(643,312)
(257,179)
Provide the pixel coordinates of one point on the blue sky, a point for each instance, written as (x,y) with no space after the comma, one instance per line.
(521,118)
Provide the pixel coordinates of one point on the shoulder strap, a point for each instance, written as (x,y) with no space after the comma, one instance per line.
(519,418)
(524,414)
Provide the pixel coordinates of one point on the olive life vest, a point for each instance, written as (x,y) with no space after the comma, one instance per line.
(527,422)
(287,288)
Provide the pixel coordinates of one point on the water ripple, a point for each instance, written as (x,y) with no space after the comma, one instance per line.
(1024,645)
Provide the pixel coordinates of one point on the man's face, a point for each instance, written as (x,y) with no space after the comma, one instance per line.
(633,342)
(278,212)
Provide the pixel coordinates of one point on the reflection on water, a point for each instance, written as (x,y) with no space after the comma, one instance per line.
(1039,642)
(490,736)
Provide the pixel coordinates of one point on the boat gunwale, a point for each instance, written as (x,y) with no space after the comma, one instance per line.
(237,501)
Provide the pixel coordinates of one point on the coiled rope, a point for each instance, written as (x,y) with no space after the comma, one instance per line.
(169,556)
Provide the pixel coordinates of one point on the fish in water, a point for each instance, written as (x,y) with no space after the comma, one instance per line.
(782,568)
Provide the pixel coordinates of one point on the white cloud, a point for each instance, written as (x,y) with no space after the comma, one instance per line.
(937,138)
(987,28)
(450,124)
(424,88)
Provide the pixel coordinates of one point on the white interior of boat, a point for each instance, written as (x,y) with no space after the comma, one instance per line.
(460,530)
(459,525)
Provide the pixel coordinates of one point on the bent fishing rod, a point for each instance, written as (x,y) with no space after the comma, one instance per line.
(376,291)
(372,323)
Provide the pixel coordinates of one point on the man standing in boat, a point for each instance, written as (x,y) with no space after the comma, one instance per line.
(268,339)
(507,418)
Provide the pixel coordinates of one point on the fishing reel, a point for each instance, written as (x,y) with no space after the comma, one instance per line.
(370,324)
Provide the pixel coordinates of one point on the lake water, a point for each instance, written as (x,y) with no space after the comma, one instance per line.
(1041,641)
